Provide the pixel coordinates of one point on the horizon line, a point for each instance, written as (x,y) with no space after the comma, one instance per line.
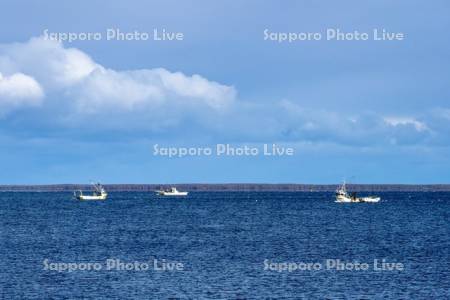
(229,187)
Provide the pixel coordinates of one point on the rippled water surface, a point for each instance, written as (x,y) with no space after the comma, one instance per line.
(222,240)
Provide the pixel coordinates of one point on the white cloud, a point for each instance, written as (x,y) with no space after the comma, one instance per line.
(157,90)
(88,88)
(213,94)
(47,61)
(398,121)
(18,90)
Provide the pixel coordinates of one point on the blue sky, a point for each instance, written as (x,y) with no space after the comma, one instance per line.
(376,111)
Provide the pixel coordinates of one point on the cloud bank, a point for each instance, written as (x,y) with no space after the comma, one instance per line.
(70,90)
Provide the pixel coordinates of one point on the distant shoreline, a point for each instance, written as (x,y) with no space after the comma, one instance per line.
(232,187)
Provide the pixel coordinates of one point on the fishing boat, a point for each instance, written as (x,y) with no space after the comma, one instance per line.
(98,194)
(170,192)
(342,196)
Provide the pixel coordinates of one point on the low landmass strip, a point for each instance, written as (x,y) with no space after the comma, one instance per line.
(231,187)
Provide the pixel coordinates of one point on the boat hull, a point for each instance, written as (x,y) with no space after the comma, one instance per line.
(91,198)
(170,194)
(371,199)
(343,199)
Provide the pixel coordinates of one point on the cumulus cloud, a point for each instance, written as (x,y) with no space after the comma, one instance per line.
(18,90)
(88,88)
(52,65)
(148,89)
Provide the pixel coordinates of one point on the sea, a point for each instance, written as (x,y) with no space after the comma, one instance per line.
(224,245)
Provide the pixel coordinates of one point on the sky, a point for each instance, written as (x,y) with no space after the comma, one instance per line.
(370,110)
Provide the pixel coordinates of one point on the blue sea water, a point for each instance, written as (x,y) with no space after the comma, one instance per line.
(222,239)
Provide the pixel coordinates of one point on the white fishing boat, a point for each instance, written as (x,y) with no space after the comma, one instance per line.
(98,194)
(342,196)
(171,192)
